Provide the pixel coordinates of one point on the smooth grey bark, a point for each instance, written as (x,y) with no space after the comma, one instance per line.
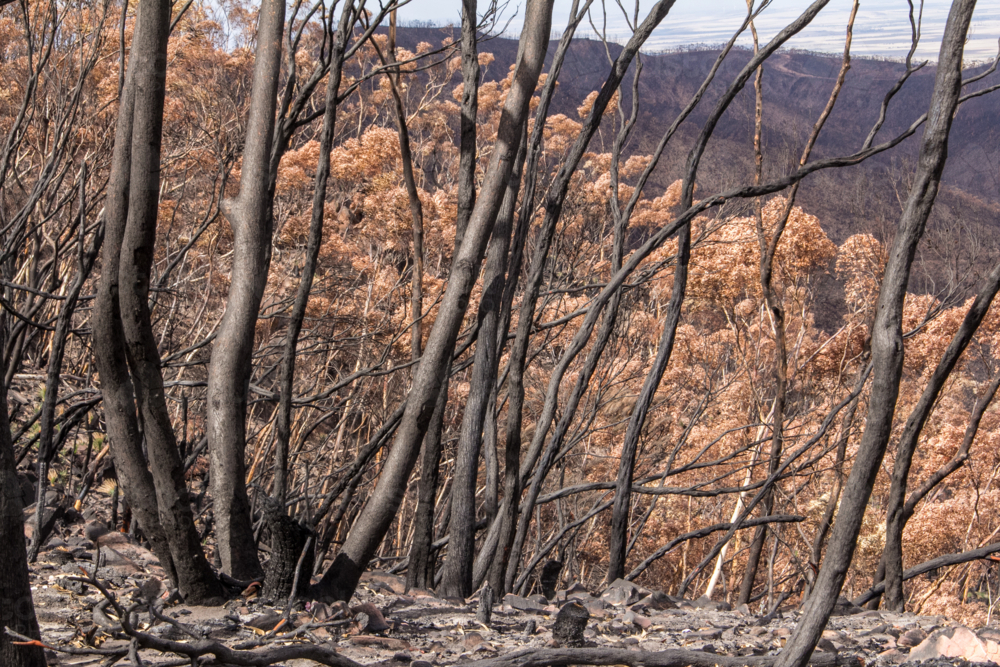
(887,342)
(283,422)
(196,581)
(892,555)
(17,610)
(368,531)
(229,371)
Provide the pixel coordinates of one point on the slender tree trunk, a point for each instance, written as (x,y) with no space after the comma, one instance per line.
(231,364)
(421,553)
(895,520)
(458,566)
(283,426)
(17,611)
(196,581)
(467,124)
(117,393)
(368,531)
(618,538)
(420,570)
(887,342)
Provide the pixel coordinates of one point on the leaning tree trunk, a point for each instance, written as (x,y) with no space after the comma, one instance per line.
(250,217)
(892,556)
(341,579)
(887,342)
(17,611)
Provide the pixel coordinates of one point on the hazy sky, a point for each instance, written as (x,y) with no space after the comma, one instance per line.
(882,27)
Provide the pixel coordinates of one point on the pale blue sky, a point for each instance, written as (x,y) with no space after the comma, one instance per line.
(882,27)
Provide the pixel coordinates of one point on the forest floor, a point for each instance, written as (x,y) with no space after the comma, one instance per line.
(389,626)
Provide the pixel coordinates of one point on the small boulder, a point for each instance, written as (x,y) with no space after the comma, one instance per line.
(956,642)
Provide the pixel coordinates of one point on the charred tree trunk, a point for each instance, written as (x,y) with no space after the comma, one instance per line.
(618,538)
(895,520)
(458,566)
(283,422)
(420,570)
(887,341)
(17,611)
(367,533)
(110,345)
(288,540)
(229,372)
(196,580)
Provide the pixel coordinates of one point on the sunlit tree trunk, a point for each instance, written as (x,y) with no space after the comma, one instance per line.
(229,372)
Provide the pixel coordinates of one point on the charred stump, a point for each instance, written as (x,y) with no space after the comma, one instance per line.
(288,539)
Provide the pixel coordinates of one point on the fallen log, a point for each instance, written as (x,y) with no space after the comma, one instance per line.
(933,564)
(563,657)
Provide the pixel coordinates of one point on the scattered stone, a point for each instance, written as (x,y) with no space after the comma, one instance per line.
(956,642)
(384,642)
(529,628)
(621,592)
(421,663)
(523,604)
(570,623)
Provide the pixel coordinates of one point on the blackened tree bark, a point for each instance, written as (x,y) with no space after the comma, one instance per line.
(17,611)
(110,346)
(892,555)
(501,571)
(196,581)
(368,531)
(618,538)
(887,341)
(457,575)
(467,124)
(251,219)
(420,569)
(283,426)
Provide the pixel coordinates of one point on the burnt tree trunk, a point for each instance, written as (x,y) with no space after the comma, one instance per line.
(288,539)
(250,217)
(17,611)
(368,531)
(887,342)
(196,581)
